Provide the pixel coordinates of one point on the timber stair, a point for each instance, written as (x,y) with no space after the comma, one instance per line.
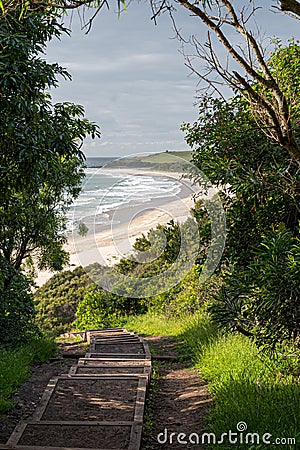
(98,405)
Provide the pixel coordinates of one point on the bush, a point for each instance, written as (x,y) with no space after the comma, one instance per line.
(17,310)
(104,309)
(57,300)
(187,297)
(264,300)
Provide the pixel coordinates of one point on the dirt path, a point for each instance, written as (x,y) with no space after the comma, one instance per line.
(178,401)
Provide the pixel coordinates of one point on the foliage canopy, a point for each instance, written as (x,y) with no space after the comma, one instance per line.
(259,182)
(41,162)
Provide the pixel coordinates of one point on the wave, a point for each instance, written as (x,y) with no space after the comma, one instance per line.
(105,192)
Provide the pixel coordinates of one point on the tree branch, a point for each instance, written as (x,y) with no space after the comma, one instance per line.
(268,102)
(292,6)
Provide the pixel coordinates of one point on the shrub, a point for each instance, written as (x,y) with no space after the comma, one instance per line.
(57,300)
(16,306)
(104,309)
(263,301)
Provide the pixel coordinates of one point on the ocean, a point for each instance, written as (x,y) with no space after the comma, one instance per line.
(110,197)
(98,161)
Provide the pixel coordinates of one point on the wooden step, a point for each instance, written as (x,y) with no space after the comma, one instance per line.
(99,405)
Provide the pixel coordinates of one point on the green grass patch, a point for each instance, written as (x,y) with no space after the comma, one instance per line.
(15,367)
(249,389)
(246,386)
(158,161)
(153,325)
(167,157)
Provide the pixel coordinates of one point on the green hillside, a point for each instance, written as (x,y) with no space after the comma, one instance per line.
(171,161)
(166,157)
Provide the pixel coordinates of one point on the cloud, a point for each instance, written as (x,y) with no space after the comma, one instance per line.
(131,78)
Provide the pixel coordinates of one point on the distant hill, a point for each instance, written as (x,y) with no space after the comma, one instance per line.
(166,161)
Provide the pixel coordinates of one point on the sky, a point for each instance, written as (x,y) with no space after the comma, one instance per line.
(130,76)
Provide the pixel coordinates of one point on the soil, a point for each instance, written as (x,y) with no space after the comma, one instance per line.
(119,348)
(69,348)
(102,370)
(102,400)
(128,355)
(85,436)
(117,339)
(178,402)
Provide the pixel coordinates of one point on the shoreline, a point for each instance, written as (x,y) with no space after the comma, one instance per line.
(109,245)
(123,213)
(132,171)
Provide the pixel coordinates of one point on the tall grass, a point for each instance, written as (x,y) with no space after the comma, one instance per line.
(15,367)
(245,386)
(152,325)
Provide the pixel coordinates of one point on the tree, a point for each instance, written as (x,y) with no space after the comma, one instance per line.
(260,269)
(41,163)
(262,179)
(246,65)
(290,6)
(259,179)
(17,310)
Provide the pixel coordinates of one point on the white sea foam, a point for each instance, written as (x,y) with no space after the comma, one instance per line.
(104,192)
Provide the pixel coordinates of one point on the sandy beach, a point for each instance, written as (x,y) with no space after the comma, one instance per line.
(110,245)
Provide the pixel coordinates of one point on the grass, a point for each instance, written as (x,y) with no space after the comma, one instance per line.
(246,387)
(152,325)
(158,160)
(150,400)
(167,157)
(15,367)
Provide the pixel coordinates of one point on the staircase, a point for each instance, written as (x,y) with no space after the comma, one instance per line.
(98,405)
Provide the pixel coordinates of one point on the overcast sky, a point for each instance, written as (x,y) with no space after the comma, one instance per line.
(131,77)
